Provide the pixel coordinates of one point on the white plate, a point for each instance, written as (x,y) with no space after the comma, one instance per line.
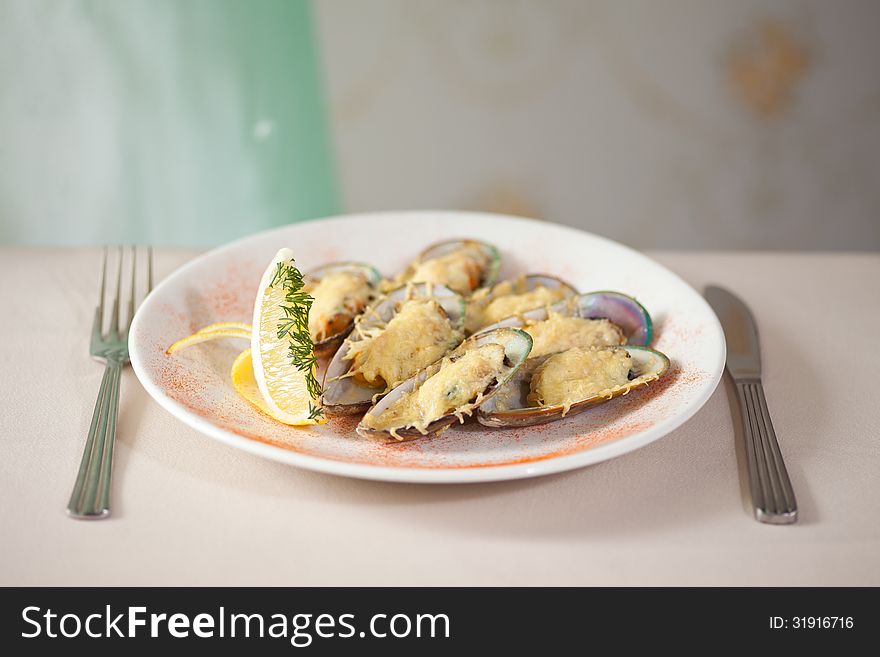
(194,384)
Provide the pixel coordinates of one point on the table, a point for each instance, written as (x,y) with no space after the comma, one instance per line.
(191,511)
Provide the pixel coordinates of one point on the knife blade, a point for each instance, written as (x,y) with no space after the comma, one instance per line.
(772,494)
(740,332)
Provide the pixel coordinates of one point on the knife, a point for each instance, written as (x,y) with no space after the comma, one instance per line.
(772,494)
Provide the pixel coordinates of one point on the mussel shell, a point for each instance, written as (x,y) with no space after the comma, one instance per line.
(347,396)
(532,281)
(326,347)
(622,310)
(649,364)
(517,345)
(619,308)
(536,280)
(447,246)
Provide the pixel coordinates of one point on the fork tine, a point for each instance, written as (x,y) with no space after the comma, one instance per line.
(114,316)
(98,322)
(133,290)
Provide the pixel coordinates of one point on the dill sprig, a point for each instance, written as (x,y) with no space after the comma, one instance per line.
(295,327)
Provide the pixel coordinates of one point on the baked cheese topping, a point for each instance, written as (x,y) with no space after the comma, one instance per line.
(579,374)
(506,302)
(418,335)
(460,270)
(558,333)
(338,297)
(456,388)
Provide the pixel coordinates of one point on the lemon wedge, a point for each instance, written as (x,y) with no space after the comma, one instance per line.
(212,332)
(286,380)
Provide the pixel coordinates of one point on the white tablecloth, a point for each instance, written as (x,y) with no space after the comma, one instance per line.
(188,510)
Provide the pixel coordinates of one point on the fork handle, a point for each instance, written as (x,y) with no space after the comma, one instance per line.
(90,498)
(772,494)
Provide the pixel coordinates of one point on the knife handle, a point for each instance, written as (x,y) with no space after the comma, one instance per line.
(772,495)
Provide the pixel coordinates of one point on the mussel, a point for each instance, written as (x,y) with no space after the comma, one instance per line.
(596,360)
(341,291)
(348,391)
(448,390)
(507,298)
(462,265)
(620,309)
(518,404)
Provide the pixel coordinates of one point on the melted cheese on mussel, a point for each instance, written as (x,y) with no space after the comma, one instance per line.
(558,333)
(418,335)
(506,300)
(460,270)
(579,374)
(338,297)
(455,388)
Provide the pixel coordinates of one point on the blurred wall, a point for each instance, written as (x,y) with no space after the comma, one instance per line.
(162,121)
(663,124)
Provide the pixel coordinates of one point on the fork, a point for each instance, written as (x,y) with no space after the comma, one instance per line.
(90,499)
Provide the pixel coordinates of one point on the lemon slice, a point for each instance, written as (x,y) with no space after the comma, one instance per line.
(241,372)
(212,332)
(284,384)
(245,384)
